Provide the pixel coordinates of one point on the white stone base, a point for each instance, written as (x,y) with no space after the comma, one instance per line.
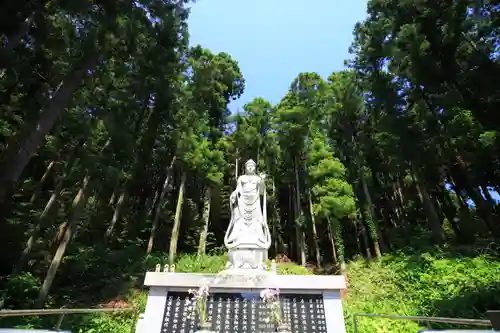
(247,280)
(247,258)
(160,283)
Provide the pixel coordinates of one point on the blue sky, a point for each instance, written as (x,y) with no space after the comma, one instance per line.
(274,40)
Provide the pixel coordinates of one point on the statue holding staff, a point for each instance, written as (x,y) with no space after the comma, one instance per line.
(248,226)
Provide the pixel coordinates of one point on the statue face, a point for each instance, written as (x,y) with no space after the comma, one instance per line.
(250,168)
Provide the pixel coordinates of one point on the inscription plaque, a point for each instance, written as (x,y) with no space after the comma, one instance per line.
(242,313)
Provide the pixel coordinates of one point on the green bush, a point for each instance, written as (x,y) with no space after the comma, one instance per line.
(290,268)
(202,264)
(421,285)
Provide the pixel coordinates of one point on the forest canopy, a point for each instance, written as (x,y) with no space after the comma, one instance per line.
(116,137)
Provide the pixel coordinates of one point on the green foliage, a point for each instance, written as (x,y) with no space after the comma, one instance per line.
(25,284)
(121,321)
(292,269)
(427,284)
(201,264)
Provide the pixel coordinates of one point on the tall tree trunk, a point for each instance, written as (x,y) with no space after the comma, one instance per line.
(437,203)
(370,214)
(49,208)
(399,193)
(339,242)
(112,199)
(314,231)
(62,228)
(364,238)
(177,222)
(159,205)
(365,213)
(449,209)
(465,218)
(27,142)
(332,242)
(116,214)
(292,250)
(258,154)
(202,244)
(151,204)
(483,208)
(54,244)
(275,219)
(23,260)
(236,166)
(362,206)
(79,203)
(42,181)
(462,200)
(298,224)
(396,201)
(429,209)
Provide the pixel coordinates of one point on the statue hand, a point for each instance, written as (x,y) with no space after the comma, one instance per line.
(232,197)
(262,176)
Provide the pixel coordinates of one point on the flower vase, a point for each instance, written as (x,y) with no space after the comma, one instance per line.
(283,328)
(205,328)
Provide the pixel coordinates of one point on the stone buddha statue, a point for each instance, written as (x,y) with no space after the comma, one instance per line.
(247,236)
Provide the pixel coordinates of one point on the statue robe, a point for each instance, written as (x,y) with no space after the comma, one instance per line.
(248,227)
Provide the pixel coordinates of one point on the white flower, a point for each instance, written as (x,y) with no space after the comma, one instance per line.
(271,299)
(199,302)
(269,294)
(203,291)
(264,293)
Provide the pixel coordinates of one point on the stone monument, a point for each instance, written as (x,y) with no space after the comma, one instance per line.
(247,237)
(310,303)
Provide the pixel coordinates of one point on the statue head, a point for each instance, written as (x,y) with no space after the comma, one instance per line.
(250,167)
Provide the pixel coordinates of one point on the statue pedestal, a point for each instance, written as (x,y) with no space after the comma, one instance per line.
(247,257)
(313,297)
